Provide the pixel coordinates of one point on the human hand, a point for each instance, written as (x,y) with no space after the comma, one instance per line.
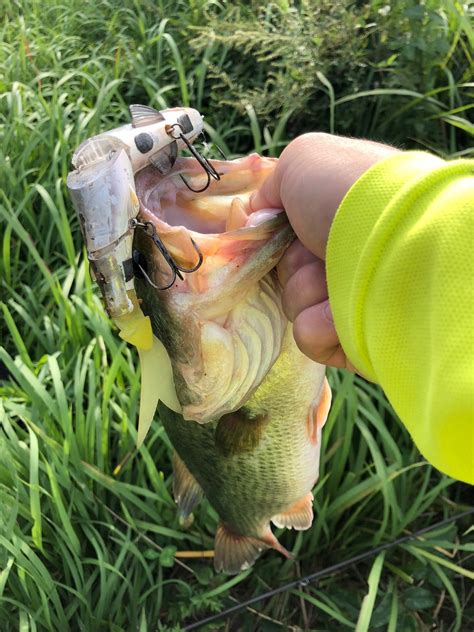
(312,176)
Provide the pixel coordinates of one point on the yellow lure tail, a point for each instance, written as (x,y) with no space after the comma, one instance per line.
(135,328)
(157,385)
(157,382)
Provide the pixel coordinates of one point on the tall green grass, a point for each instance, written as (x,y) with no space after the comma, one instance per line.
(89,537)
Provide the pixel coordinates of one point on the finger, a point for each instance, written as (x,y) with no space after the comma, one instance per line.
(294,258)
(306,287)
(316,336)
(273,193)
(312,176)
(268,195)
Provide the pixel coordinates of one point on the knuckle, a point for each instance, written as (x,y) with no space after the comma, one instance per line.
(309,139)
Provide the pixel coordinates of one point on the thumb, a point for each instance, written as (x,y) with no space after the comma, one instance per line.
(268,195)
(295,186)
(312,176)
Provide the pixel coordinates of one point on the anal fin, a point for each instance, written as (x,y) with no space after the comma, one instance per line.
(186,490)
(299,516)
(234,553)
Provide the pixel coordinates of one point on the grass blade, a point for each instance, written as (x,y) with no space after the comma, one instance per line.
(365,615)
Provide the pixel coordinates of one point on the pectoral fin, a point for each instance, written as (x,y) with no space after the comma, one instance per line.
(237,433)
(157,384)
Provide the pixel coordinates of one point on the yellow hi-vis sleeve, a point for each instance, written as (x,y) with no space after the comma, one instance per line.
(400,277)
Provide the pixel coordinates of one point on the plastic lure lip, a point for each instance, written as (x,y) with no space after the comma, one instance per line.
(105,201)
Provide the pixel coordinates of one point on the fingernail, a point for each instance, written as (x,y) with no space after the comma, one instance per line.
(328,313)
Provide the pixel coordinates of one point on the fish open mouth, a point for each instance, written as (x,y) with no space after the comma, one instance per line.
(211,226)
(222,325)
(223,207)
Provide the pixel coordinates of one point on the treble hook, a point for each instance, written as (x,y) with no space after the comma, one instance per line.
(209,169)
(150,230)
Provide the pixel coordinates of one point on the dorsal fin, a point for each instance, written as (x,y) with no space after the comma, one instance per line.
(144,115)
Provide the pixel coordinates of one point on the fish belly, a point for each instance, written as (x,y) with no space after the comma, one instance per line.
(254,483)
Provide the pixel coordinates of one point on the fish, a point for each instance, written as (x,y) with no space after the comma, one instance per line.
(242,406)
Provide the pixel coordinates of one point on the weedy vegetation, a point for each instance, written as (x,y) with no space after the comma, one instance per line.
(89,538)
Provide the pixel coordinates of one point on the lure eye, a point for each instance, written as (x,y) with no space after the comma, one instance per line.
(144,142)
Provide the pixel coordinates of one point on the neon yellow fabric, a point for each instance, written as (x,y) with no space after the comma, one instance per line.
(400,276)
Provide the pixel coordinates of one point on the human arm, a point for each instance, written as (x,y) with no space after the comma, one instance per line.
(397,260)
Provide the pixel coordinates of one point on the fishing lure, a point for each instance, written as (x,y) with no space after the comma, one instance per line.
(102,187)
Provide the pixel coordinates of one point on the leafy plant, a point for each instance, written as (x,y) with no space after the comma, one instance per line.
(89,537)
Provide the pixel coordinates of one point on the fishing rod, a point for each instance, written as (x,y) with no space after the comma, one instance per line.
(307,579)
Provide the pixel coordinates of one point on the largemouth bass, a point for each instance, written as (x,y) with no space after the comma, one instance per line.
(247,414)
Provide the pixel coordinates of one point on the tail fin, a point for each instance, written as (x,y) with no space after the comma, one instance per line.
(235,553)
